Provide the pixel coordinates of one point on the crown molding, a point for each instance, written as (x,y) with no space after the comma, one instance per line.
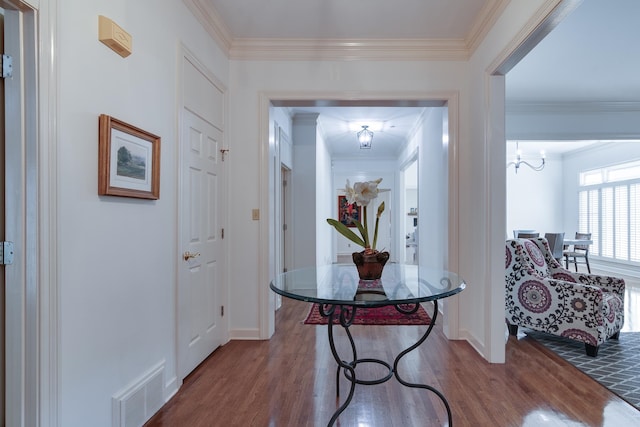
(545,19)
(349,49)
(211,21)
(572,136)
(346,49)
(484,22)
(562,107)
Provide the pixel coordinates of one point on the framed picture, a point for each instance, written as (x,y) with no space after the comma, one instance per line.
(128,160)
(347,212)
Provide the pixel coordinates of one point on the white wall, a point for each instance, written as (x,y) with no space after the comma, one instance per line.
(281,116)
(253,81)
(481,182)
(324,196)
(303,191)
(593,121)
(535,200)
(433,207)
(117,257)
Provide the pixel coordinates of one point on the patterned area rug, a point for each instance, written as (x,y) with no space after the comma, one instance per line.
(617,366)
(387,315)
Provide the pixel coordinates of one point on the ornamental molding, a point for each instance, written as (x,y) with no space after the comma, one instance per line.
(571,107)
(211,21)
(346,49)
(349,49)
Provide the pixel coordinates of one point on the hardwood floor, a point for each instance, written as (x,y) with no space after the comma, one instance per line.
(290,381)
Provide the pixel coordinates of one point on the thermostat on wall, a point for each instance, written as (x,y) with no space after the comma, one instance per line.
(113,36)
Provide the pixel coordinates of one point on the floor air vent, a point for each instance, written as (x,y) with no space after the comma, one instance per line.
(134,405)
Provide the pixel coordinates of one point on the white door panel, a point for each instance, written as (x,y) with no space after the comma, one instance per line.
(200,221)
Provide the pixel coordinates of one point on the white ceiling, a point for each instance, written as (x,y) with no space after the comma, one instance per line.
(351,19)
(391,126)
(593,55)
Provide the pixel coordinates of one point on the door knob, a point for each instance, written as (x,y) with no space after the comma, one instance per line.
(188,255)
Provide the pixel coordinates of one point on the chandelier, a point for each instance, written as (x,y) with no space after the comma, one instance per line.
(519,161)
(365,136)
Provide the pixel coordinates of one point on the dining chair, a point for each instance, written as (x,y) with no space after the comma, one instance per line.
(527,235)
(578,252)
(556,244)
(517,233)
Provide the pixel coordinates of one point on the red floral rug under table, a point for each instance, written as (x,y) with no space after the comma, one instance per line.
(387,315)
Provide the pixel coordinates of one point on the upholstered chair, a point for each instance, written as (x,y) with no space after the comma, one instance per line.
(543,296)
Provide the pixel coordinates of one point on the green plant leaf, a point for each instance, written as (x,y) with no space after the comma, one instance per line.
(346,232)
(362,231)
(375,233)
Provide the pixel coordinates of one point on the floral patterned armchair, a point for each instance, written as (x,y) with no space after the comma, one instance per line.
(543,296)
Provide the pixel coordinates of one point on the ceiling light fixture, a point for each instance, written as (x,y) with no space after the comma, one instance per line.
(365,136)
(519,161)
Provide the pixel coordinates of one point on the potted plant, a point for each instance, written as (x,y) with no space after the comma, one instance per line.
(370,261)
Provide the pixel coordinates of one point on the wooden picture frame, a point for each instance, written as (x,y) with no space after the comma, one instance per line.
(128,160)
(343,212)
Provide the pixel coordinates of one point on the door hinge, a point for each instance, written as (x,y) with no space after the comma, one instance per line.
(7,66)
(284,183)
(222,311)
(284,270)
(6,253)
(284,227)
(222,233)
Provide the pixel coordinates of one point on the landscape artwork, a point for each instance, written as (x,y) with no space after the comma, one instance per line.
(129,160)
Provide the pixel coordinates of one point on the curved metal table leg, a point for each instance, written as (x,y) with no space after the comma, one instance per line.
(346,317)
(413,347)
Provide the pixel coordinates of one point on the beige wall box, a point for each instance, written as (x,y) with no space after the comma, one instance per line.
(113,36)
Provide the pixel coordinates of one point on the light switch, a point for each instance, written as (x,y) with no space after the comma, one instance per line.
(255,214)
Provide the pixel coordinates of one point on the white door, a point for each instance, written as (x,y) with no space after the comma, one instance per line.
(202,188)
(202,234)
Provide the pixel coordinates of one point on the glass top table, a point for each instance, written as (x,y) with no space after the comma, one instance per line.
(339,284)
(339,293)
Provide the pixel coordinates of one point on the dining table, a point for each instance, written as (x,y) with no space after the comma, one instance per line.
(573,242)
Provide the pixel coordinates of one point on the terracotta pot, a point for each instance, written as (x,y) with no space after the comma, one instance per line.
(370,265)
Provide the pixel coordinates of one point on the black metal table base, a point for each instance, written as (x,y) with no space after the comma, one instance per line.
(345,319)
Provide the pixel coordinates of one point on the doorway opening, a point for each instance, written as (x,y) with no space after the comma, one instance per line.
(434,131)
(410,190)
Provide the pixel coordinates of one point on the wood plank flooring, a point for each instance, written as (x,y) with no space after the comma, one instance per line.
(290,381)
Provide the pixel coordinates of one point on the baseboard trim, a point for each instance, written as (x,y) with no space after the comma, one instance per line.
(244,334)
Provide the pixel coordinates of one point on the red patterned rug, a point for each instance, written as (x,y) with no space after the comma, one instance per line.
(387,315)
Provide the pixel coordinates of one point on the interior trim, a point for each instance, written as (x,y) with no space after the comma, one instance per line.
(349,49)
(346,49)
(450,98)
(560,107)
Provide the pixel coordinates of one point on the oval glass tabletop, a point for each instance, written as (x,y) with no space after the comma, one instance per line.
(339,284)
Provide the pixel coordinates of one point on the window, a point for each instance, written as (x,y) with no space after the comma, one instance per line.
(609,209)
